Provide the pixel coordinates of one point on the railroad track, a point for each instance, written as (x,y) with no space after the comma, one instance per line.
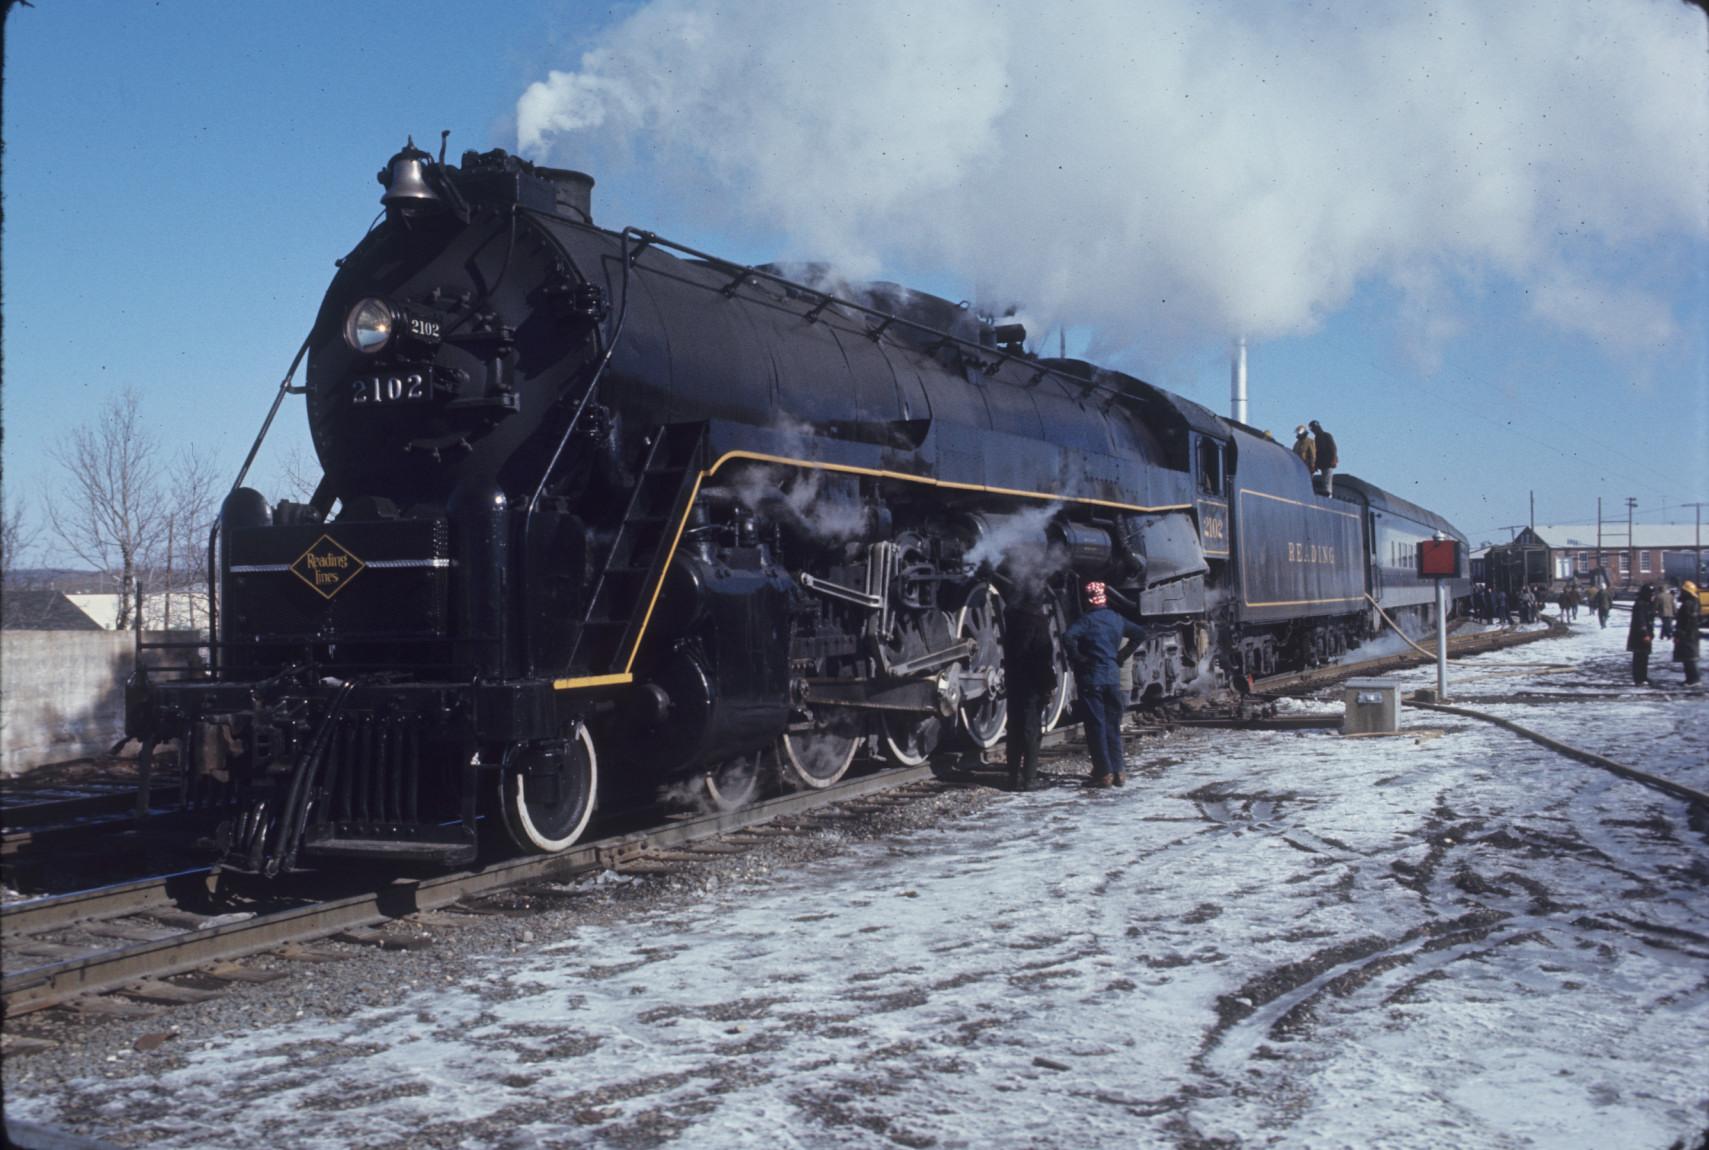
(133,937)
(1666,786)
(1460,646)
(66,822)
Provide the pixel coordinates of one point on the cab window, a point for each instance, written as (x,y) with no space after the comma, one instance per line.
(1210,467)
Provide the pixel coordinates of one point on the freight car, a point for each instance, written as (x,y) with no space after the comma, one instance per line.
(602,514)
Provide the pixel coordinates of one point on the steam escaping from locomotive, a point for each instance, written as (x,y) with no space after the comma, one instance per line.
(805,500)
(1209,169)
(1020,548)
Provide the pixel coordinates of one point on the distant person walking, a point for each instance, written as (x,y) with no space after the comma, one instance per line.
(1305,448)
(1094,642)
(1639,636)
(1685,631)
(1327,458)
(1604,604)
(1029,674)
(1665,609)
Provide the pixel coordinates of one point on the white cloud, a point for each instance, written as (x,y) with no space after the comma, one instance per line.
(1617,316)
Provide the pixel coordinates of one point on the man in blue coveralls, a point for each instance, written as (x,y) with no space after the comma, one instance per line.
(1092,644)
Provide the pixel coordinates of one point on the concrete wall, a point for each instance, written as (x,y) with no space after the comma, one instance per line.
(62,693)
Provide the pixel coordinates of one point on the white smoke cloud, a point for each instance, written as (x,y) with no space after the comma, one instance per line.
(1174,170)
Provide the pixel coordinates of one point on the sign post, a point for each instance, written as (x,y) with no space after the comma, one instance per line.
(1439,559)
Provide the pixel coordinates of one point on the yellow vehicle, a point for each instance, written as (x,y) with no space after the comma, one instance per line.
(1702,593)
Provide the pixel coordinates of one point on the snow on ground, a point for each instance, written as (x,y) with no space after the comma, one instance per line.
(1450,938)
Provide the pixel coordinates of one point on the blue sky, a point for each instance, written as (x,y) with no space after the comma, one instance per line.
(180,176)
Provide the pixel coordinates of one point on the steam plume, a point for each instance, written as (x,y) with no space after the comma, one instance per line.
(1175,169)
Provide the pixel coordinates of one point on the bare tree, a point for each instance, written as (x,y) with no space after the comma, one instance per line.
(110,513)
(178,562)
(302,473)
(17,539)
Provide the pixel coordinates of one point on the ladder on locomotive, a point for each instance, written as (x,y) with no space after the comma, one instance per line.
(625,588)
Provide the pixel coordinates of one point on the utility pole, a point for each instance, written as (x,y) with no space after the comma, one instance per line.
(1698,549)
(1533,511)
(1599,535)
(1631,552)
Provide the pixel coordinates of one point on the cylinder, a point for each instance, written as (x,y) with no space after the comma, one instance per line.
(1088,548)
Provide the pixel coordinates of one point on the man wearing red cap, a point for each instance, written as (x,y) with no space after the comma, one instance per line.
(1093,643)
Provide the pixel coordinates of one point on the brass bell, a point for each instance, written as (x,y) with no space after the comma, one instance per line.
(405,178)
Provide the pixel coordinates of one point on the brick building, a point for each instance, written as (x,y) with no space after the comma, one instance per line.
(1555,553)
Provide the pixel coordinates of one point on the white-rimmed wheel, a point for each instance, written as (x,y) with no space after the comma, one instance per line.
(735,783)
(908,742)
(1056,705)
(981,619)
(816,759)
(911,737)
(547,791)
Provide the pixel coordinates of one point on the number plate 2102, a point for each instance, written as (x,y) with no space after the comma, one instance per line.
(386,389)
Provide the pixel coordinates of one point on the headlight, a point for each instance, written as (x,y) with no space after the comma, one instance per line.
(369,326)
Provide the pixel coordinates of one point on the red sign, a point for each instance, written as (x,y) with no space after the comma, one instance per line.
(1438,558)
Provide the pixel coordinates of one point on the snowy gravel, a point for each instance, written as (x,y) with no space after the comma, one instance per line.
(1449,938)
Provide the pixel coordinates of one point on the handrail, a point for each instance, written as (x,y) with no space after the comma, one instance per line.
(576,418)
(242,474)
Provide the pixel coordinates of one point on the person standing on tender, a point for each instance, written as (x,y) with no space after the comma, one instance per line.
(1305,448)
(1093,643)
(1328,459)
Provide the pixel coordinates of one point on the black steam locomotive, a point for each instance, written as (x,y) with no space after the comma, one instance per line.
(603,514)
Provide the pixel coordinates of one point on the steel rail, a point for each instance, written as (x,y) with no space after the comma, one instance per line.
(51,983)
(1656,782)
(119,800)
(19,920)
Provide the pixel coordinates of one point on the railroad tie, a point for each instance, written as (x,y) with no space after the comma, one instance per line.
(111,1007)
(368,936)
(232,972)
(127,933)
(297,952)
(154,990)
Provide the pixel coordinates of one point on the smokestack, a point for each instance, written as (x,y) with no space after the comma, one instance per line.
(1237,382)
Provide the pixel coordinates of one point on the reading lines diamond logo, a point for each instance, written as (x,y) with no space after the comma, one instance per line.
(327,566)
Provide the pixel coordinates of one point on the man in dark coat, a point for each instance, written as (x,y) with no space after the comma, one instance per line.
(1638,637)
(1685,630)
(1604,604)
(1327,458)
(1029,674)
(1093,643)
